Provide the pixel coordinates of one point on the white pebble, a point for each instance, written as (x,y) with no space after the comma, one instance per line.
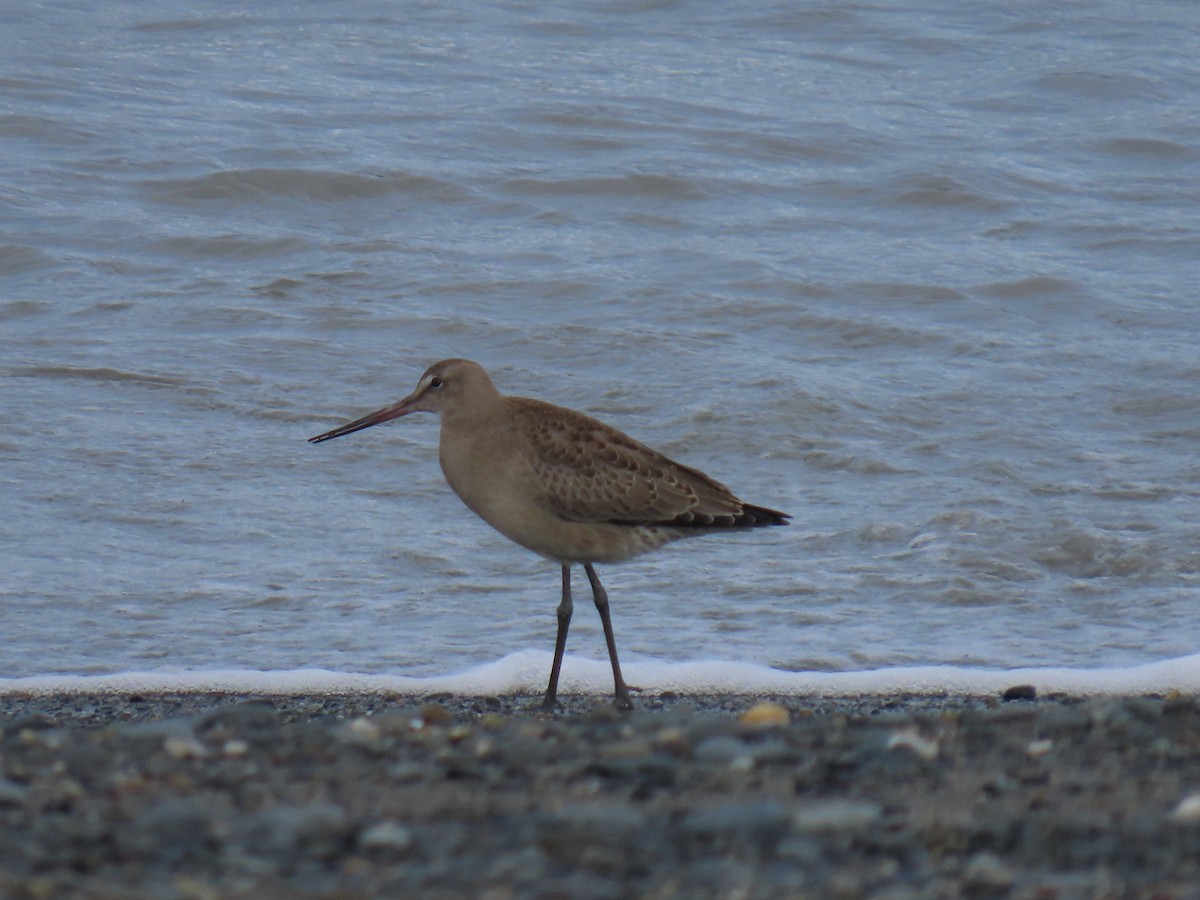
(181,747)
(909,739)
(387,835)
(1187,810)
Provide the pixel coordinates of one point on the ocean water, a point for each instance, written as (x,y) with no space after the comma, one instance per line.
(924,275)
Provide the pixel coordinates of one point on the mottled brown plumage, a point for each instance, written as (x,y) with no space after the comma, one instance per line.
(563,484)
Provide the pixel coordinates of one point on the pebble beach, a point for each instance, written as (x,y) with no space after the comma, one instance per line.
(369,795)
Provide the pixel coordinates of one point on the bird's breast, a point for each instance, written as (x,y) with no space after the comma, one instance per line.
(491,478)
(499,483)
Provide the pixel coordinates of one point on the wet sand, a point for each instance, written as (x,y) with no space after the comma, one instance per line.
(216,796)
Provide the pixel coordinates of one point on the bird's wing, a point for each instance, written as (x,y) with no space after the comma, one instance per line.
(591,472)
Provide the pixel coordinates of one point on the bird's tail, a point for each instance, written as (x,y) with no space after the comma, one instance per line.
(760,516)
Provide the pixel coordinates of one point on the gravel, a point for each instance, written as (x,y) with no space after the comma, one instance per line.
(203,796)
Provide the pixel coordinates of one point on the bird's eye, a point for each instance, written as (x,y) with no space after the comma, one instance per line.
(435,383)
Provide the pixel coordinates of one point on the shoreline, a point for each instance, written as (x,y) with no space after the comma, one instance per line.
(198,795)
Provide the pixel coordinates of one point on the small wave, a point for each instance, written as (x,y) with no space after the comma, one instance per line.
(229,246)
(1032,288)
(264,184)
(861,333)
(1093,554)
(16,259)
(1154,149)
(40,128)
(942,191)
(18,309)
(1101,85)
(96,374)
(647,186)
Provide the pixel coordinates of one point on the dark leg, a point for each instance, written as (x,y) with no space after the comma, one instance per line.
(601,597)
(565,608)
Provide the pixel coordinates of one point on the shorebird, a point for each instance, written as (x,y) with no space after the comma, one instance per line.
(564,485)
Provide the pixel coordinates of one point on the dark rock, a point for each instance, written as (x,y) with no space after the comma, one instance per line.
(1019,692)
(1177,703)
(315,831)
(240,719)
(11,793)
(34,721)
(171,832)
(760,824)
(722,750)
(597,835)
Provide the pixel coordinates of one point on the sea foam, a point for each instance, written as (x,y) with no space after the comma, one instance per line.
(525,673)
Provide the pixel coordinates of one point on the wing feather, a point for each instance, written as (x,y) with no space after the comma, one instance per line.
(591,472)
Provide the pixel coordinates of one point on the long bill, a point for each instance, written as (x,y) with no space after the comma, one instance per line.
(395,411)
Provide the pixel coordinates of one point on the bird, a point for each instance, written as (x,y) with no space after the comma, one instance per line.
(565,485)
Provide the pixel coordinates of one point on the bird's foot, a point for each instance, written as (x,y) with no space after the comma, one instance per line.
(622,700)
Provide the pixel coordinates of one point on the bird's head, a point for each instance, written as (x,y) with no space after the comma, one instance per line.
(447,387)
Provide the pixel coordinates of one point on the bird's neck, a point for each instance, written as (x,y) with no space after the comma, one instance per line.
(472,416)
